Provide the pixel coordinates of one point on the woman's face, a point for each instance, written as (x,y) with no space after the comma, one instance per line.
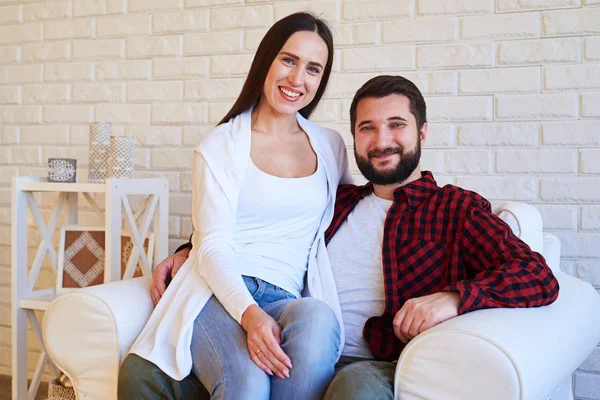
(295,74)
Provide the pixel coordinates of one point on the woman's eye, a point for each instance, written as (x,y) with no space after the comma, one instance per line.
(314,70)
(288,60)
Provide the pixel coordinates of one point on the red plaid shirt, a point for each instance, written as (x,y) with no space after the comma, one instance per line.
(440,239)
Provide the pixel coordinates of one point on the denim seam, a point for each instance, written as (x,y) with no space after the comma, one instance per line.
(218,358)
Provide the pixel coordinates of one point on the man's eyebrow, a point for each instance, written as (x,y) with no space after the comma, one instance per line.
(365,122)
(394,118)
(295,57)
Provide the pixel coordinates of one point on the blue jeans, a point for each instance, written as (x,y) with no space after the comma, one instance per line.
(310,338)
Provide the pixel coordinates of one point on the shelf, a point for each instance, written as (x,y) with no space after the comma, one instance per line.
(63,187)
(38,302)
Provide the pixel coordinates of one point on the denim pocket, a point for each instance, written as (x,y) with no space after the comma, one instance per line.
(252,284)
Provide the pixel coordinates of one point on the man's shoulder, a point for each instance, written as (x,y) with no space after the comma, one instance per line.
(466,197)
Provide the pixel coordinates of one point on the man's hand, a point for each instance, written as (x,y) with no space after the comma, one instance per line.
(165,271)
(421,313)
(264,337)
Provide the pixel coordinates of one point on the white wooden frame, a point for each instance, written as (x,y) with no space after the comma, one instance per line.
(131,263)
(24,299)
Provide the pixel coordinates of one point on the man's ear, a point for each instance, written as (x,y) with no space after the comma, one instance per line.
(423,133)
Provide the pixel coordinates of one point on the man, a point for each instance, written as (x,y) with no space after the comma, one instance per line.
(407,254)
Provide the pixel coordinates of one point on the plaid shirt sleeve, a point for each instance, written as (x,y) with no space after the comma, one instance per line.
(502,270)
(187,245)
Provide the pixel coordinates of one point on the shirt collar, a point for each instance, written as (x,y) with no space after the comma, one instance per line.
(413,193)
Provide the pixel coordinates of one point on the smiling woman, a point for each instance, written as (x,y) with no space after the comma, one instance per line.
(264,184)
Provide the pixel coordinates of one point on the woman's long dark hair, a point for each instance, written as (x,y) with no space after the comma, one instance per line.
(268,49)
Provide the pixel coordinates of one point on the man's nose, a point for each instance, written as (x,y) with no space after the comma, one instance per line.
(383,138)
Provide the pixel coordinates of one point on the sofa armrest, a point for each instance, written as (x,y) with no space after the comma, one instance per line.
(491,354)
(87,332)
(525,221)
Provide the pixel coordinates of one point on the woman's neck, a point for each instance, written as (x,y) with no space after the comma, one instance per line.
(266,120)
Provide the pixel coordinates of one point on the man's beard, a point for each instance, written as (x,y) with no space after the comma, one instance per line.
(407,164)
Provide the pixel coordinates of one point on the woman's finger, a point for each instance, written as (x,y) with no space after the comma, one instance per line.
(277,351)
(272,360)
(259,363)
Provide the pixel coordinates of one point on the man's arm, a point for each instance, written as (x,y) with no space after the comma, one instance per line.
(166,270)
(503,271)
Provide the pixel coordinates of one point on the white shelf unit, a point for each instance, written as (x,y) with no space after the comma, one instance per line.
(154,210)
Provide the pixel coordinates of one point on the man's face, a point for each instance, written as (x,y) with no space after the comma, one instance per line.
(387,143)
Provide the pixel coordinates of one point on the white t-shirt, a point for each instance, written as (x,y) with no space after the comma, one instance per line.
(275,225)
(355,256)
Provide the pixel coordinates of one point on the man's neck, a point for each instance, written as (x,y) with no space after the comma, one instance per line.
(266,120)
(387,191)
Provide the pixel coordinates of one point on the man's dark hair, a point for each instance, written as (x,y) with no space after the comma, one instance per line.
(268,49)
(385,85)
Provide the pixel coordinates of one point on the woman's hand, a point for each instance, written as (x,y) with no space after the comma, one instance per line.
(264,337)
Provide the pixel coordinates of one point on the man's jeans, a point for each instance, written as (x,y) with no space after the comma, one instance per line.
(310,337)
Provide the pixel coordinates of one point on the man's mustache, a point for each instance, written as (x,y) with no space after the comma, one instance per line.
(384,152)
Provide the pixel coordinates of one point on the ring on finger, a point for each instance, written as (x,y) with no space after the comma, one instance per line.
(258,351)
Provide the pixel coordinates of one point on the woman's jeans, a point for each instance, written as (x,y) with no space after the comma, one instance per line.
(310,337)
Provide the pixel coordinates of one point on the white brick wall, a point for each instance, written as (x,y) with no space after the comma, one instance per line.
(512,88)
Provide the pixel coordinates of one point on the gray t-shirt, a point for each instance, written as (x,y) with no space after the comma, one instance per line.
(355,255)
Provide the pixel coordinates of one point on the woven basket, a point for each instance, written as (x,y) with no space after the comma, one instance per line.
(57,392)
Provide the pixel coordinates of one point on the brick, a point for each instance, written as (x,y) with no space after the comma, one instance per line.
(11,14)
(571,189)
(376,10)
(192,113)
(434,82)
(154,91)
(501,188)
(45,51)
(536,161)
(579,133)
(172,177)
(172,159)
(590,162)
(48,134)
(466,161)
(71,71)
(216,111)
(125,113)
(498,134)
(589,271)
(153,46)
(212,43)
(572,77)
(20,73)
(230,65)
(68,113)
(192,134)
(25,155)
(590,105)
(98,92)
(435,7)
(207,3)
(186,182)
(46,93)
(354,34)
(180,68)
(141,158)
(592,363)
(156,136)
(440,135)
(455,56)
(500,80)
(180,204)
(77,28)
(558,217)
(21,115)
(9,95)
(9,135)
(252,39)
(241,17)
(80,153)
(591,49)
(521,5)
(326,111)
(98,7)
(541,51)
(23,33)
(98,49)
(419,30)
(591,2)
(174,226)
(577,244)
(130,69)
(571,22)
(123,25)
(213,89)
(181,22)
(513,26)
(46,10)
(346,85)
(378,58)
(459,109)
(537,106)
(152,5)
(590,218)
(324,9)
(9,54)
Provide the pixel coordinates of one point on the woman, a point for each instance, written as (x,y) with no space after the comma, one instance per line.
(264,185)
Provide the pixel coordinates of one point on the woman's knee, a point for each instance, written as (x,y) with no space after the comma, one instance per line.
(314,316)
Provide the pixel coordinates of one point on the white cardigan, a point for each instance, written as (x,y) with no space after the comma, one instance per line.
(221,161)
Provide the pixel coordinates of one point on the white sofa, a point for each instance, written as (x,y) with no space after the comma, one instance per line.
(488,354)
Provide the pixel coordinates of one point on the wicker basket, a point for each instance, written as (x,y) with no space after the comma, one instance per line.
(57,392)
